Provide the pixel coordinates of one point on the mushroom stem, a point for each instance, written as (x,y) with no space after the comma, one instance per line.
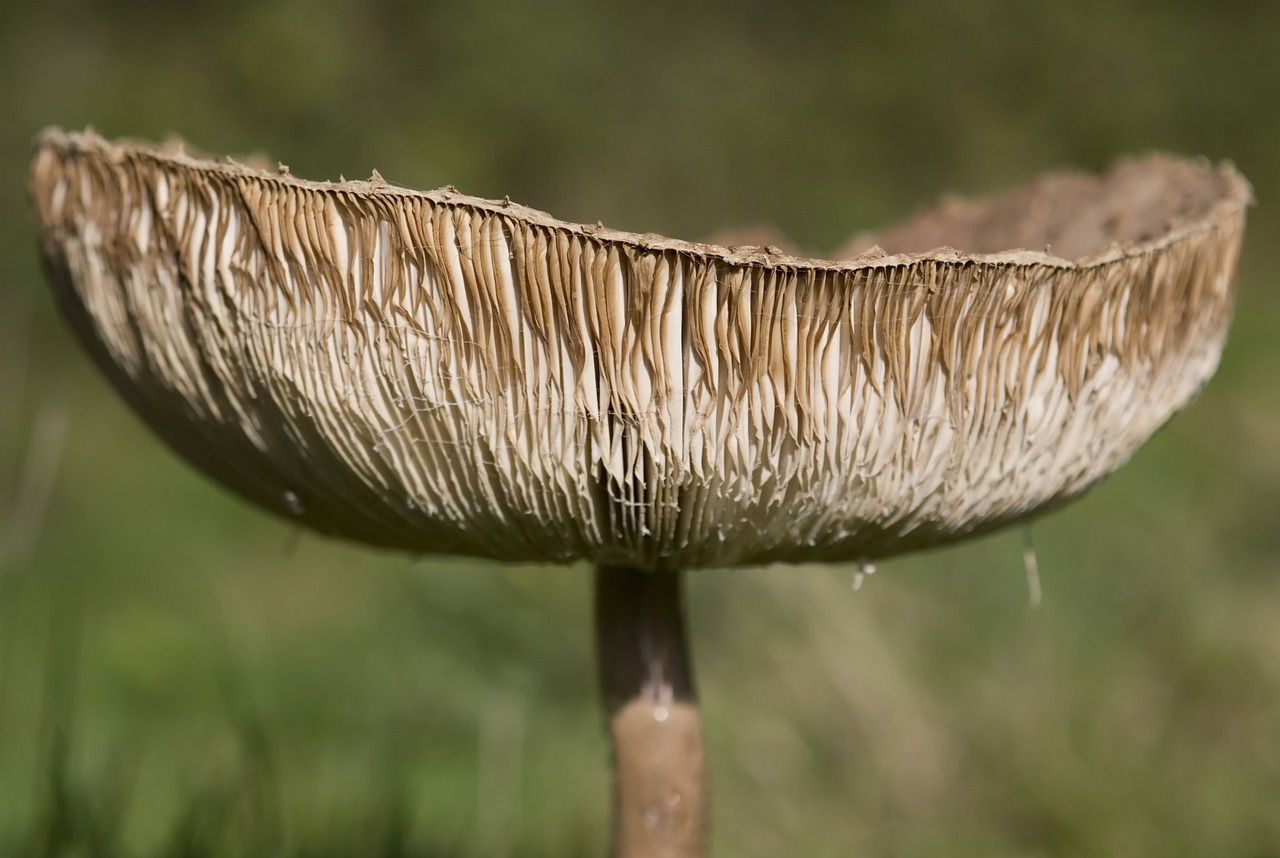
(659,772)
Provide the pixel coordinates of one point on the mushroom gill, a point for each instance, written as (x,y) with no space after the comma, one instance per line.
(445,374)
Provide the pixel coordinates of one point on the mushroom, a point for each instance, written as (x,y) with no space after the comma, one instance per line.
(442,374)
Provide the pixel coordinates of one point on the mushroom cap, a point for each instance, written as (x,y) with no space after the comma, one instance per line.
(444,374)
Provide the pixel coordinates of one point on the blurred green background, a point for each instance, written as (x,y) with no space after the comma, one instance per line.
(181,675)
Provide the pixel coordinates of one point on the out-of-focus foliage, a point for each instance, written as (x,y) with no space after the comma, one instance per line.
(180,675)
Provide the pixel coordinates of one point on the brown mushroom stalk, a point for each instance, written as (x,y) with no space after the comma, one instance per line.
(659,767)
(442,374)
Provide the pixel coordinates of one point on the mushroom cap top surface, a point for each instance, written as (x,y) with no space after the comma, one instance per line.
(448,375)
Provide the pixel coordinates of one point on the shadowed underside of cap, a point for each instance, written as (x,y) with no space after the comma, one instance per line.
(445,374)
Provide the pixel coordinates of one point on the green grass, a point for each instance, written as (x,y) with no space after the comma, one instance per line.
(180,676)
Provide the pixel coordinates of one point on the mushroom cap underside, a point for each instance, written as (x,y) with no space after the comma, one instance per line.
(443,374)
